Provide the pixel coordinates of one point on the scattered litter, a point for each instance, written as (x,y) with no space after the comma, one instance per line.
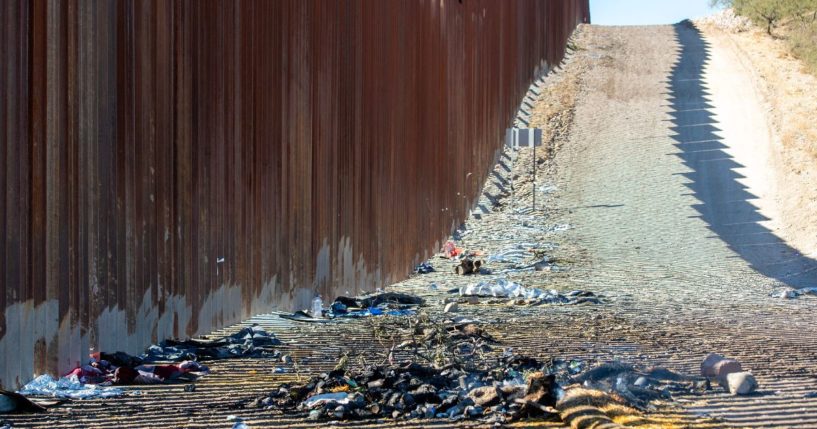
(375,311)
(558,227)
(383,303)
(638,387)
(317,307)
(303,316)
(741,383)
(512,255)
(67,388)
(729,374)
(239,422)
(240,425)
(377,304)
(251,341)
(503,288)
(424,268)
(515,389)
(792,293)
(119,368)
(468,266)
(388,298)
(450,250)
(340,398)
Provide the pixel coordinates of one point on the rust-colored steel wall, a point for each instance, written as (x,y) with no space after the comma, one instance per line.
(169,167)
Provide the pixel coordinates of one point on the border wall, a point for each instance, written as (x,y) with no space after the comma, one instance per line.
(171,167)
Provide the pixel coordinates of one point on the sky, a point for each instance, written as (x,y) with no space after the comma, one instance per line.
(644,12)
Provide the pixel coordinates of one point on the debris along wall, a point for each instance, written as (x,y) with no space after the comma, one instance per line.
(172,167)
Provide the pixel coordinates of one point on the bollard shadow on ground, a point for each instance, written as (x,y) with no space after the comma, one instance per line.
(726,205)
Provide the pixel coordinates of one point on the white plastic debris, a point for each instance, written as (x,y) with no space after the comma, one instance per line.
(339,398)
(239,422)
(317,307)
(68,388)
(727,20)
(501,288)
(792,293)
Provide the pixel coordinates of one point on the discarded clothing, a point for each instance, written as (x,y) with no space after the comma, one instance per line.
(384,298)
(344,307)
(156,374)
(374,311)
(68,388)
(424,268)
(252,341)
(303,316)
(638,387)
(450,250)
(11,402)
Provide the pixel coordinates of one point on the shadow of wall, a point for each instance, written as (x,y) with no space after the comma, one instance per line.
(725,203)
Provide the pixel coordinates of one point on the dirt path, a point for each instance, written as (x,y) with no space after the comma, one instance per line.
(788,102)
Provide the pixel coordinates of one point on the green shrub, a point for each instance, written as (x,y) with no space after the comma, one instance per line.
(803,42)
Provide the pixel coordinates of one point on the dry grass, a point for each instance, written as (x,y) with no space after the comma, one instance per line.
(554,110)
(592,409)
(800,34)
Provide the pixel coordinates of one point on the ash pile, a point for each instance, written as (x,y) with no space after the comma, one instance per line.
(454,370)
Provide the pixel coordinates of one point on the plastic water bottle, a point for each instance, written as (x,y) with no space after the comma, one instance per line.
(317,307)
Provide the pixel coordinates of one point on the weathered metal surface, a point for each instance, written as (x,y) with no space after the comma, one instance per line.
(172,167)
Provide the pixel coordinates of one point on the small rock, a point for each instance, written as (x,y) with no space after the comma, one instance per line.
(286,359)
(642,382)
(810,395)
(741,383)
(543,265)
(484,396)
(726,367)
(451,307)
(707,366)
(472,299)
(717,366)
(314,415)
(473,411)
(375,408)
(190,388)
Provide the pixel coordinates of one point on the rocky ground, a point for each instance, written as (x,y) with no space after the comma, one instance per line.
(626,211)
